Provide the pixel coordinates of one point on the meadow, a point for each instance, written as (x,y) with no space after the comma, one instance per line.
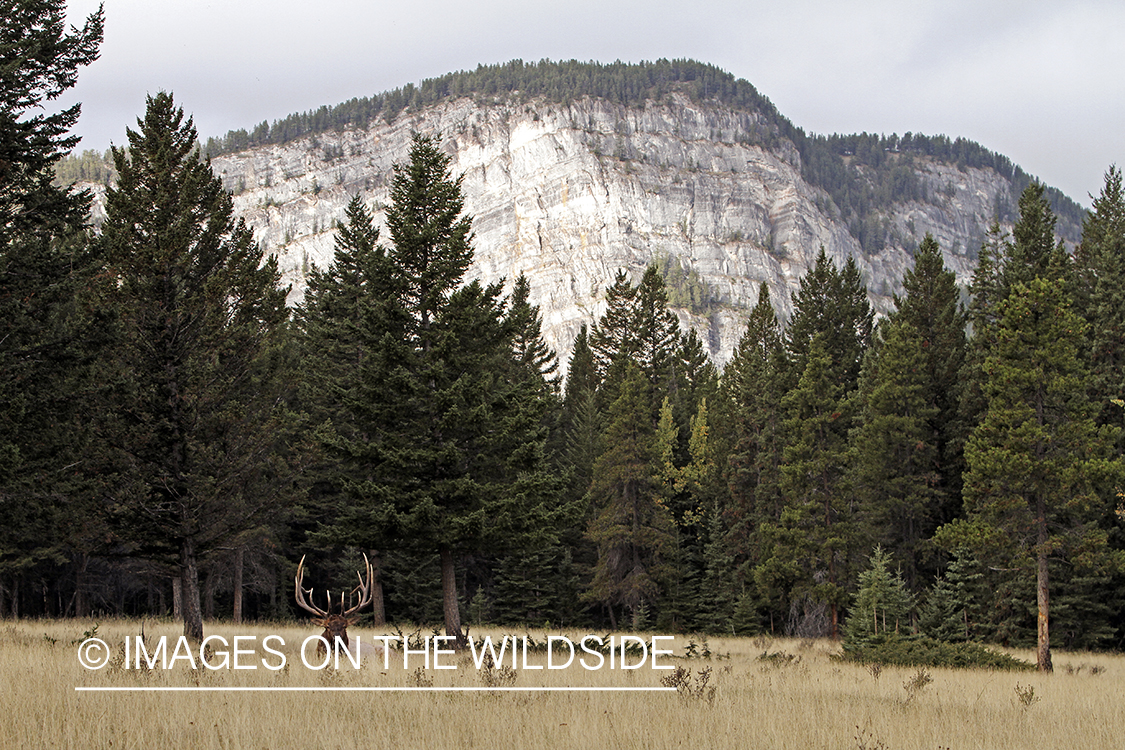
(727,696)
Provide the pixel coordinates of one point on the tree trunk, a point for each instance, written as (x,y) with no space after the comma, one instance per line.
(449,597)
(380,614)
(189,572)
(209,594)
(81,606)
(178,599)
(1043,652)
(239,558)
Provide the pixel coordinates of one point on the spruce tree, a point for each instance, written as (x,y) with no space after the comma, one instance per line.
(883,605)
(819,509)
(197,417)
(932,304)
(954,609)
(632,530)
(894,466)
(1036,458)
(51,330)
(447,449)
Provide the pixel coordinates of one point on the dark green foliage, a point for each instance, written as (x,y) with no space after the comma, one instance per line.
(39,60)
(196,417)
(832,304)
(919,651)
(954,608)
(894,455)
(632,530)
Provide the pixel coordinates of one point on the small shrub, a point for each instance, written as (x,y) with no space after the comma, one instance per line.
(865,740)
(919,651)
(1025,694)
(492,677)
(915,684)
(779,659)
(419,678)
(699,690)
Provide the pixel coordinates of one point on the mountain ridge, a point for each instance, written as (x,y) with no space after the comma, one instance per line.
(568,192)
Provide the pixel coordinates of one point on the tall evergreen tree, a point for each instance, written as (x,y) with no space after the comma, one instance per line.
(631,528)
(447,452)
(197,420)
(819,509)
(48,339)
(932,304)
(1036,458)
(753,385)
(894,453)
(1102,272)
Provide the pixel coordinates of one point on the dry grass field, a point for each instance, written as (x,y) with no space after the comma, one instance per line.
(800,699)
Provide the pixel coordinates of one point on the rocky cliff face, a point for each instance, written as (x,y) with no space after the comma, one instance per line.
(569,194)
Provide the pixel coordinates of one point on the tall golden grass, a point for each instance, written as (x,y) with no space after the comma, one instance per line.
(807,701)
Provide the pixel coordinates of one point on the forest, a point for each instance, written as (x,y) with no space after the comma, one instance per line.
(173,438)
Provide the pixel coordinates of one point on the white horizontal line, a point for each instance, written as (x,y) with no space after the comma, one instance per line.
(369,689)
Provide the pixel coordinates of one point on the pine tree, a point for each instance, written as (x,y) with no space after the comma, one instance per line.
(1036,457)
(197,419)
(50,330)
(632,530)
(894,451)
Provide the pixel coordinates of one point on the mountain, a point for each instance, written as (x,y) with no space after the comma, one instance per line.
(575,170)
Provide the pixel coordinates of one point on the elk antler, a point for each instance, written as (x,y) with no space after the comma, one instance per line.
(300,592)
(365,589)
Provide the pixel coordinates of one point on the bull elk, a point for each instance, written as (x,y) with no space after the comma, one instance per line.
(336,625)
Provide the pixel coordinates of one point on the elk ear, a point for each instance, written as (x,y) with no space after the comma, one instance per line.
(352,620)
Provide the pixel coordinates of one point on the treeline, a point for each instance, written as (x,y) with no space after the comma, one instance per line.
(561,82)
(174,439)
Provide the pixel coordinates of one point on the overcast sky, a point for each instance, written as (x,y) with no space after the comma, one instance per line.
(1040,82)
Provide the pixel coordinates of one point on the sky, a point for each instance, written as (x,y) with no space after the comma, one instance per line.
(1041,82)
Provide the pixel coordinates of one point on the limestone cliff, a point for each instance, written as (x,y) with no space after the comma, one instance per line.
(567,194)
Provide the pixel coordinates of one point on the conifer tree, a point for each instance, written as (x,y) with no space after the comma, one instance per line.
(819,510)
(1102,270)
(50,331)
(197,419)
(932,304)
(894,451)
(753,385)
(614,338)
(447,453)
(883,605)
(632,530)
(1036,458)
(953,610)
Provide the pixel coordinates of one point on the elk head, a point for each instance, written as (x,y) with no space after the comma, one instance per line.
(335,624)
